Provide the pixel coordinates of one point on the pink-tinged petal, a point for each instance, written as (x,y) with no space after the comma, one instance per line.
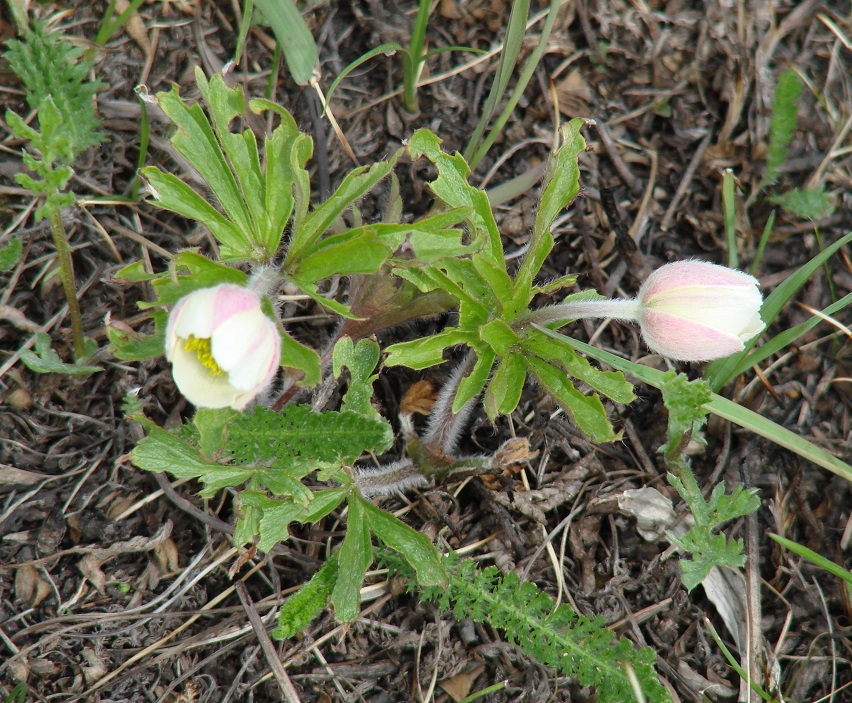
(725,309)
(686,274)
(231,300)
(259,367)
(198,385)
(238,336)
(686,340)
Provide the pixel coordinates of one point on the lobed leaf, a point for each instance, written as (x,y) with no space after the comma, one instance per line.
(354,558)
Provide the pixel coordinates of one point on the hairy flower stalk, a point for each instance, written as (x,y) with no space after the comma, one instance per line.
(687,311)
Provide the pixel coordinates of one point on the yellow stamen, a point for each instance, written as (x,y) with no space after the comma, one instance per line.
(201,347)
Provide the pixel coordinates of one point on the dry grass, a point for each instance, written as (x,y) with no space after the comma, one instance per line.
(116,588)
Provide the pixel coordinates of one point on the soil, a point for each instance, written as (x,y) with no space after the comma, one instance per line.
(115,585)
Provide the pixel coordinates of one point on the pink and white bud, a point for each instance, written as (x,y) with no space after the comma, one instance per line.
(697,311)
(223,348)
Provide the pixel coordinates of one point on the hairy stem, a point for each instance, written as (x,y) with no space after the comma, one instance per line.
(66,271)
(613,309)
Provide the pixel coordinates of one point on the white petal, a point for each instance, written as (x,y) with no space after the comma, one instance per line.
(257,367)
(194,314)
(238,336)
(198,385)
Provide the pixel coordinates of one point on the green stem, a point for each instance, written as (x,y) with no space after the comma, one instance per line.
(414,57)
(66,271)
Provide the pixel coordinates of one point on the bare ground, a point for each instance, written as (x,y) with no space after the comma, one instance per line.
(115,587)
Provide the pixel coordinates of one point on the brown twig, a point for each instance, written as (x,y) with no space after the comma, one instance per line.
(284,683)
(188,507)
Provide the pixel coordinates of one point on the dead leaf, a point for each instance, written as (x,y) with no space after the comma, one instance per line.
(511,454)
(135,28)
(120,505)
(418,399)
(653,511)
(52,532)
(10,477)
(90,567)
(166,555)
(449,10)
(30,588)
(458,686)
(574,94)
(97,668)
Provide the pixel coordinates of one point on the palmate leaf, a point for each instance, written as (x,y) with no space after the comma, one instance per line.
(586,410)
(256,202)
(560,187)
(452,187)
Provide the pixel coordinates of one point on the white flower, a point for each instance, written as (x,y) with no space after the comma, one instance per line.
(687,310)
(697,311)
(223,348)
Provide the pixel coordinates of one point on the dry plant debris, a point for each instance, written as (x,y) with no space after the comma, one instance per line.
(110,592)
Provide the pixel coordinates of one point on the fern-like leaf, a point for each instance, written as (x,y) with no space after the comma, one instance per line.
(577,646)
(264,436)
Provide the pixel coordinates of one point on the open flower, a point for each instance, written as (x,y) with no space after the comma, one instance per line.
(223,348)
(696,311)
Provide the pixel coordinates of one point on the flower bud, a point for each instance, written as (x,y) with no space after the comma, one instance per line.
(697,311)
(223,348)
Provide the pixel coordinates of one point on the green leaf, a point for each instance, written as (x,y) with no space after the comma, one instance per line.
(719,372)
(189,271)
(452,187)
(685,402)
(45,360)
(294,38)
(196,141)
(423,353)
(277,514)
(279,198)
(587,411)
(499,336)
(212,426)
(472,384)
(10,254)
(269,200)
(138,347)
(504,391)
(561,185)
(248,523)
(416,548)
(807,203)
(360,359)
(295,355)
(354,558)
(264,435)
(56,70)
(356,184)
(724,408)
(305,604)
(355,251)
(163,451)
(814,558)
(783,121)
(573,644)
